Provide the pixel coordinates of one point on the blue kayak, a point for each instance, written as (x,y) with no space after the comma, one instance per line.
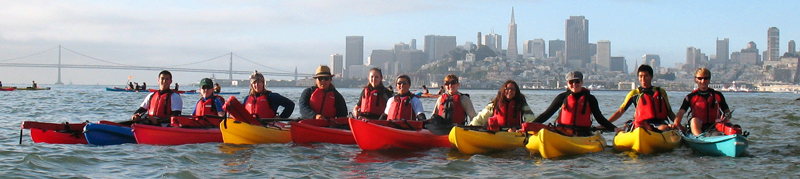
(107,134)
(724,145)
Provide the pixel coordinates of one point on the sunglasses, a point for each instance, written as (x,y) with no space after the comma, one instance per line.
(703,78)
(574,81)
(510,89)
(402,82)
(451,82)
(323,78)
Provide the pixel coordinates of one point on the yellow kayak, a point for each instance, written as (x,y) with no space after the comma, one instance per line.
(475,142)
(236,132)
(551,144)
(647,142)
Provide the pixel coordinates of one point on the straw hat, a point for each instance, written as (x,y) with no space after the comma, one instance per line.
(323,71)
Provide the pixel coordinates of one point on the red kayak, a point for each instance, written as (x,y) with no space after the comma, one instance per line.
(325,131)
(179,91)
(370,136)
(7,88)
(194,130)
(54,133)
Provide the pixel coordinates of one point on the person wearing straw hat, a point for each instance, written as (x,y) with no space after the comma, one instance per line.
(322,101)
(263,103)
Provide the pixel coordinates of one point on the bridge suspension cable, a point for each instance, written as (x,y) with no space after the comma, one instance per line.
(87,56)
(245,59)
(29,55)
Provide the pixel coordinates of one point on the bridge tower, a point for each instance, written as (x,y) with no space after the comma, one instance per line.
(59,67)
(230,65)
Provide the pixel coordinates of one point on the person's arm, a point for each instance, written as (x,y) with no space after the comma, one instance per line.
(218,102)
(435,106)
(684,107)
(177,104)
(305,107)
(483,117)
(598,115)
(527,113)
(388,105)
(288,105)
(552,109)
(723,104)
(358,104)
(419,111)
(341,105)
(625,105)
(466,103)
(670,114)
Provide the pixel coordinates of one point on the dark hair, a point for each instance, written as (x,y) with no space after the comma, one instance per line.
(645,68)
(165,72)
(519,98)
(404,76)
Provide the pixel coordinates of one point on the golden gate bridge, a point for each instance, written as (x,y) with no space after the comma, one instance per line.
(229,71)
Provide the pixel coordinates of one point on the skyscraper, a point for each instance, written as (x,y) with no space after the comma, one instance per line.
(493,41)
(577,41)
(651,59)
(792,47)
(336,63)
(773,44)
(556,47)
(436,47)
(603,55)
(538,48)
(527,51)
(354,54)
(512,38)
(723,50)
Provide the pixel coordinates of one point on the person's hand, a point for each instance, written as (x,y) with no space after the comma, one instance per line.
(136,117)
(617,130)
(319,116)
(153,120)
(511,130)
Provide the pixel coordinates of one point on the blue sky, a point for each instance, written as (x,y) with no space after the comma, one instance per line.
(304,33)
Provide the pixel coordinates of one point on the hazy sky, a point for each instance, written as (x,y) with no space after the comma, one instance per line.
(304,33)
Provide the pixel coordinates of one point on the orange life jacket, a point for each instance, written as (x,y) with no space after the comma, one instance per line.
(650,106)
(372,103)
(402,108)
(160,105)
(259,106)
(206,107)
(575,112)
(507,114)
(451,108)
(705,109)
(323,103)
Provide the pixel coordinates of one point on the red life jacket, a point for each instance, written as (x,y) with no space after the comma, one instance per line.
(402,108)
(650,107)
(507,114)
(160,105)
(575,112)
(259,106)
(451,108)
(206,107)
(705,109)
(323,103)
(372,102)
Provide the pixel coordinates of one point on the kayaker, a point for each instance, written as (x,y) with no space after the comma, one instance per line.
(217,89)
(453,106)
(137,86)
(706,104)
(508,109)
(160,105)
(405,105)
(130,86)
(651,102)
(176,87)
(577,107)
(423,92)
(373,97)
(144,86)
(322,101)
(34,85)
(209,103)
(263,103)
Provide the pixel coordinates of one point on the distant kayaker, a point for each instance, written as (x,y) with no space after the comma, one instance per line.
(144,86)
(263,103)
(705,103)
(176,87)
(423,92)
(137,87)
(209,103)
(1,83)
(453,106)
(372,101)
(217,89)
(577,107)
(508,109)
(405,105)
(130,86)
(34,85)
(322,101)
(160,105)
(651,102)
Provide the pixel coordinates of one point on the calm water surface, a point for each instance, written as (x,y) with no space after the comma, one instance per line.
(772,119)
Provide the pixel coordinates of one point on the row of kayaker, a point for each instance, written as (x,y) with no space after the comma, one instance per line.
(508,109)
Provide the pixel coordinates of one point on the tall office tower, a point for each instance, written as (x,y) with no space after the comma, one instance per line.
(336,63)
(723,50)
(413,44)
(690,57)
(436,47)
(400,47)
(773,44)
(379,58)
(577,40)
(408,61)
(618,64)
(512,38)
(555,47)
(480,42)
(538,48)
(603,55)
(792,47)
(354,54)
(493,41)
(526,49)
(749,55)
(652,59)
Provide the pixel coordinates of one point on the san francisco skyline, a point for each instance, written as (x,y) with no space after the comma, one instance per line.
(303,34)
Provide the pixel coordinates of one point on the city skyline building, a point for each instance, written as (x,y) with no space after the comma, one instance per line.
(603,55)
(527,49)
(619,64)
(723,52)
(652,59)
(493,41)
(354,52)
(512,38)
(792,48)
(773,44)
(577,41)
(556,50)
(538,49)
(337,61)
(436,46)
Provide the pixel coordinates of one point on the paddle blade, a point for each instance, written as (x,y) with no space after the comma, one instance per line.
(238,112)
